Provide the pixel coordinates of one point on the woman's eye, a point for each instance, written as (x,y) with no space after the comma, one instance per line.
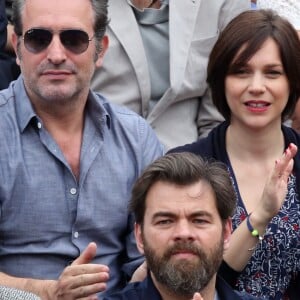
(274,73)
(241,72)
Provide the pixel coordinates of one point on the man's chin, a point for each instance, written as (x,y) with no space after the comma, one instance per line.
(184,255)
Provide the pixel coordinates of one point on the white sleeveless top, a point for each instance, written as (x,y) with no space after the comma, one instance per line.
(290,9)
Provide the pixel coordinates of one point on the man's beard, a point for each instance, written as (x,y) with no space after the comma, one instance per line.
(184,277)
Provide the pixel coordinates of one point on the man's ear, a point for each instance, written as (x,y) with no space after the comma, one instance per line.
(103,46)
(16,47)
(138,237)
(227,233)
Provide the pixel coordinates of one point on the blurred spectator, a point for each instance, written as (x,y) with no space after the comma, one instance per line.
(3,24)
(156,62)
(289,9)
(9,70)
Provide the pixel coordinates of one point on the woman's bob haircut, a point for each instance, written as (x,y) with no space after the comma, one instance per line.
(250,30)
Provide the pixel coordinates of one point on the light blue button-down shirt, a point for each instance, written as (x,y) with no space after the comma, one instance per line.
(47,218)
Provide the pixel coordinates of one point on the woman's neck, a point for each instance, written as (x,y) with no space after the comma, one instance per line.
(244,142)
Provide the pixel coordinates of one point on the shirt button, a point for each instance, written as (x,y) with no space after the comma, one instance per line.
(73,191)
(76,234)
(39,125)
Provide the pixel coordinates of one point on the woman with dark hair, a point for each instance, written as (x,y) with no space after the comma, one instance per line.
(253,73)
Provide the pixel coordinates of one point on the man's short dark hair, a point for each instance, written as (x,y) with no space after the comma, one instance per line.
(185,169)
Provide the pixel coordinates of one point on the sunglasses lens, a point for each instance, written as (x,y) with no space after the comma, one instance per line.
(76,41)
(37,40)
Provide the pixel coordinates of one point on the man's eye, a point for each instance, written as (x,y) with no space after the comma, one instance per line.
(199,221)
(164,222)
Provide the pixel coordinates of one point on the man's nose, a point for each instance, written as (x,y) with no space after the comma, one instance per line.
(184,231)
(56,52)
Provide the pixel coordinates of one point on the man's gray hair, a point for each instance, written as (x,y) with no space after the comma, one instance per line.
(100,17)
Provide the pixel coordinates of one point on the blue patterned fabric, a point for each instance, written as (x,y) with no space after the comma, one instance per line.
(276,258)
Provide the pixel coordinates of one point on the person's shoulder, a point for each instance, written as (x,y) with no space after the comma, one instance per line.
(122,110)
(135,128)
(116,109)
(227,292)
(246,296)
(291,135)
(204,146)
(133,291)
(6,96)
(122,117)
(137,290)
(194,147)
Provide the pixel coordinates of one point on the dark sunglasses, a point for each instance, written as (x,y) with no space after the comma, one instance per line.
(38,39)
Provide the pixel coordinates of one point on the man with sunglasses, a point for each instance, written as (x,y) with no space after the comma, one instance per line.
(68,158)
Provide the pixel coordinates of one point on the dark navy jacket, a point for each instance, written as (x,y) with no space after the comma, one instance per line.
(145,290)
(213,146)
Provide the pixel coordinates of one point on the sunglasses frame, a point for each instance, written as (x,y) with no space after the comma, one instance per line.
(36,50)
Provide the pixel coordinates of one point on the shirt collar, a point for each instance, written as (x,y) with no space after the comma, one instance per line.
(24,109)
(26,114)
